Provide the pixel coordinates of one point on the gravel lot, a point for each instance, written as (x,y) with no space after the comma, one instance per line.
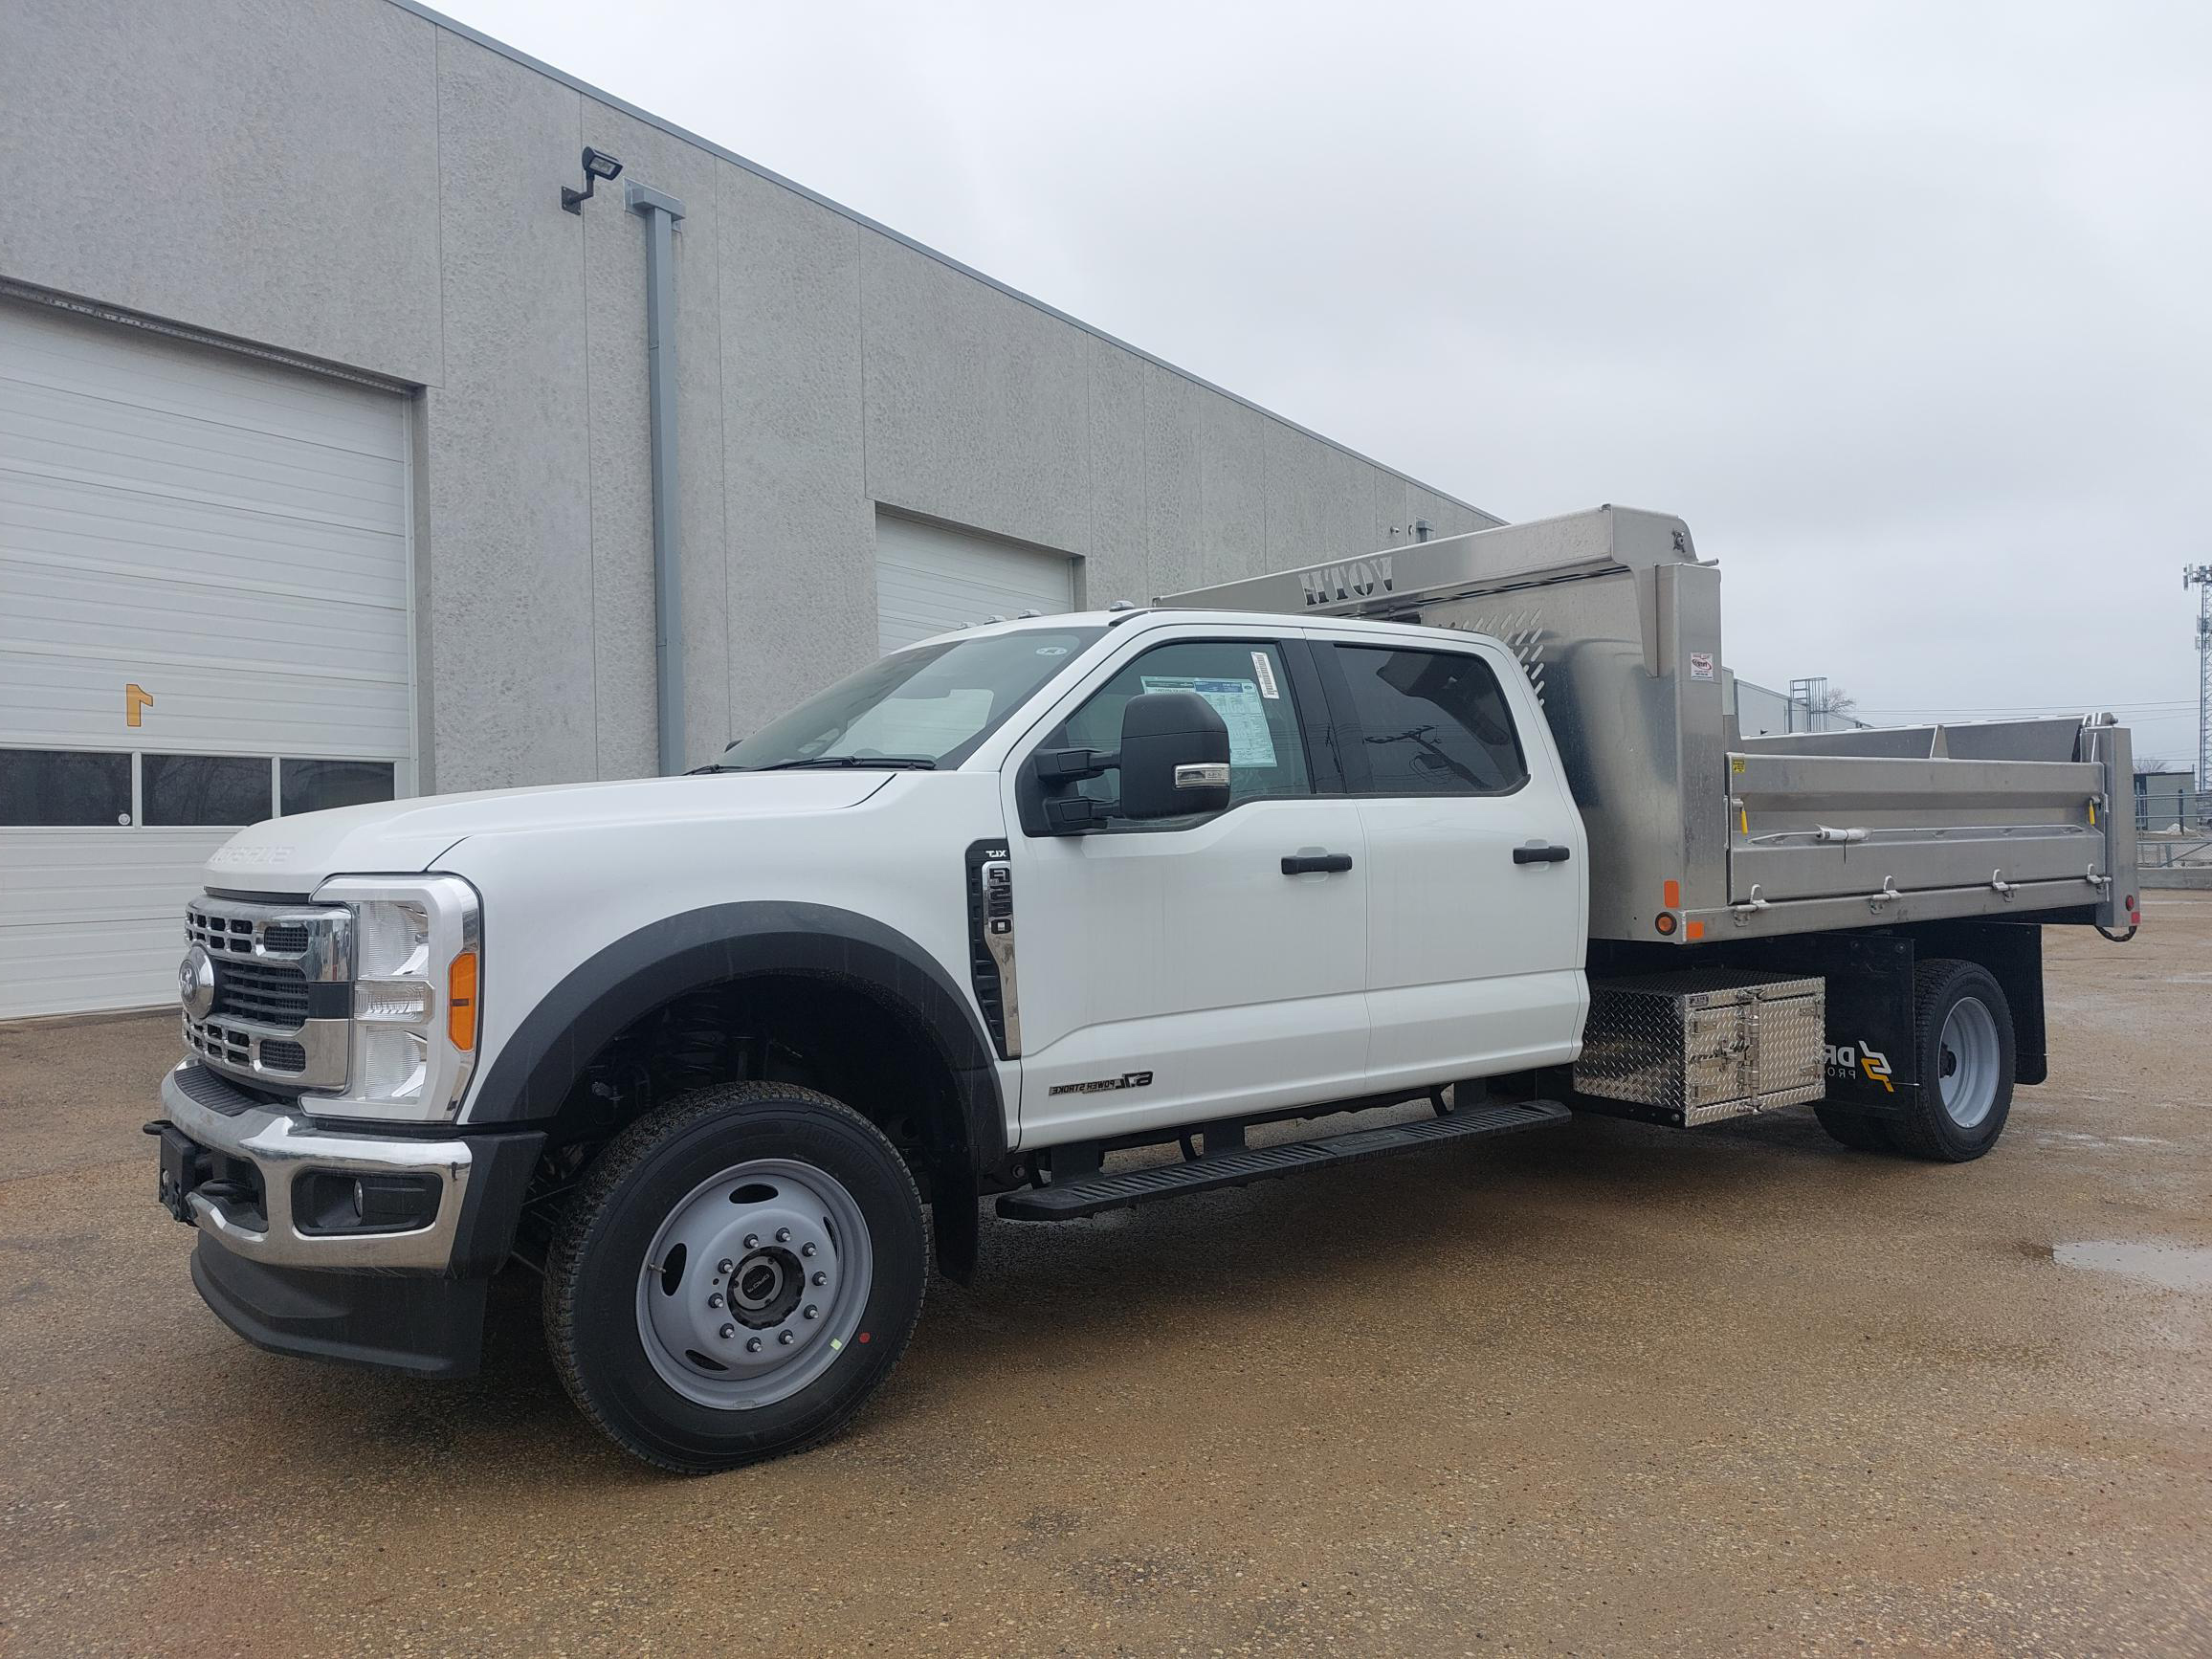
(1613,1388)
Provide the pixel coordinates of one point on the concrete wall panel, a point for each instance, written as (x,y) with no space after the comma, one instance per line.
(1446,516)
(1389,522)
(801,570)
(510,466)
(1318,501)
(1117,565)
(264,172)
(1232,450)
(978,404)
(1174,482)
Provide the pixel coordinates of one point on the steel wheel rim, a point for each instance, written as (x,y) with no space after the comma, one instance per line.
(1966,1062)
(758,1330)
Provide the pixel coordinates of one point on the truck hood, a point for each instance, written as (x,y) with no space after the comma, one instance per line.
(297,854)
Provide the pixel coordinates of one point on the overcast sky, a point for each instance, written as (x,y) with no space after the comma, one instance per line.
(1907,309)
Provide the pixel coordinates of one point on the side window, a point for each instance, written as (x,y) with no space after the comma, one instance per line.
(1246,682)
(1430,722)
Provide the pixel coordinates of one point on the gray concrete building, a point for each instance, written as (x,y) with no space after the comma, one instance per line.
(326,455)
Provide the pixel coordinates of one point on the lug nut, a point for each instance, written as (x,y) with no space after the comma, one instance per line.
(752,1241)
(821,1277)
(725,1266)
(782,1235)
(753,1346)
(812,1312)
(807,1249)
(786,1340)
(714,1301)
(729,1330)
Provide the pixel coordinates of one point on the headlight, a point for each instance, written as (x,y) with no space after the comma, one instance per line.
(417,945)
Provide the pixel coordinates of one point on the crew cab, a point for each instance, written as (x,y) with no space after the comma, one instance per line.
(728,1058)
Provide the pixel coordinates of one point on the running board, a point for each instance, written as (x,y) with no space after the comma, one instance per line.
(1092,1194)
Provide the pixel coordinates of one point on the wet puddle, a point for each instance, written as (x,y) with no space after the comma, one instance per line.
(2176,1267)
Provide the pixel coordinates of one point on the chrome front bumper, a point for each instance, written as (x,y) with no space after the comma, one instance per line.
(281,1146)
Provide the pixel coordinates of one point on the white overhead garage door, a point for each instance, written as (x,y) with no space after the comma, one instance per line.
(930,578)
(204,604)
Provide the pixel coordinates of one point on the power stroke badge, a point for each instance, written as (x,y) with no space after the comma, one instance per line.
(1101,1085)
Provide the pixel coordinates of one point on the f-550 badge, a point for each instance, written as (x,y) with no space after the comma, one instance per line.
(1099,1086)
(1851,1058)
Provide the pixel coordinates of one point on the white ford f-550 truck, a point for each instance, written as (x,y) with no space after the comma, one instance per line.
(1466,822)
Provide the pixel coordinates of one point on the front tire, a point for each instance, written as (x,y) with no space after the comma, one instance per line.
(1962,1028)
(739,1272)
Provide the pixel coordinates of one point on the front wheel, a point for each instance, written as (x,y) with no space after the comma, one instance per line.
(737,1274)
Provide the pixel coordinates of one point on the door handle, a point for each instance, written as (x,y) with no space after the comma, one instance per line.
(1536,853)
(1315,863)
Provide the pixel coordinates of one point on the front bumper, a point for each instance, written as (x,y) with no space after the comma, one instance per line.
(283,1146)
(409,1298)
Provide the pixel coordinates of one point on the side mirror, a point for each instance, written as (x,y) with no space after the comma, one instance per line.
(1174,756)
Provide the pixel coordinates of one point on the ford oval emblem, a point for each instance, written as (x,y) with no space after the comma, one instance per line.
(196,982)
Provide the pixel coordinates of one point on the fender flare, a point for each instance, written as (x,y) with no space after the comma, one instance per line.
(532,1074)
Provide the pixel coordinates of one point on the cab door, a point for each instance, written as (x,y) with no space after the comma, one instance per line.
(1196,967)
(1477,858)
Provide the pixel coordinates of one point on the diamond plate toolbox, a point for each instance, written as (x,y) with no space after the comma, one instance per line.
(1703,1044)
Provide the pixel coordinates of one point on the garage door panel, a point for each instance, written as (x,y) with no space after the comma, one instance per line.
(48,520)
(930,578)
(84,966)
(75,701)
(54,878)
(143,371)
(59,437)
(94,613)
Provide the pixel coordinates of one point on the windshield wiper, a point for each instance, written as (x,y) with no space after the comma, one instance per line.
(892,763)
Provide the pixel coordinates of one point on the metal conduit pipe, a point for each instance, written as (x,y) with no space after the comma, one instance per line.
(660,212)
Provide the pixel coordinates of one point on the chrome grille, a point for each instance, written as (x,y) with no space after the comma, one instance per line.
(277,1056)
(268,957)
(254,990)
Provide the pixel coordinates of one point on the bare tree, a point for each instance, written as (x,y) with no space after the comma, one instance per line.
(1839,702)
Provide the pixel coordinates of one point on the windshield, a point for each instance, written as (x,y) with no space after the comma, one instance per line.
(926,707)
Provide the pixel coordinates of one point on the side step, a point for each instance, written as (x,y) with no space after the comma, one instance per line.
(1093,1194)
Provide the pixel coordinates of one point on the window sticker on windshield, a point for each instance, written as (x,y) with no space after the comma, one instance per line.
(1265,670)
(1238,703)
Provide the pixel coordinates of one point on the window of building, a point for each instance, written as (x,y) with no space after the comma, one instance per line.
(49,789)
(178,790)
(315,786)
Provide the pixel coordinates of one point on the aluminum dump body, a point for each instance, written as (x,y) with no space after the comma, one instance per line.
(1617,623)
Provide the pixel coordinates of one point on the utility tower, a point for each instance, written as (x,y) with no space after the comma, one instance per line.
(2199,577)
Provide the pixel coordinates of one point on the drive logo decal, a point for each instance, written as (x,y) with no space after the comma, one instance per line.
(1852,1057)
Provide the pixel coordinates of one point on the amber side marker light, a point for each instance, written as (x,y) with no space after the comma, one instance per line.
(461,1001)
(1663,921)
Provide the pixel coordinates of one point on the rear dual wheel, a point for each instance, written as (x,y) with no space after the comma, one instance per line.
(739,1272)
(1964,1040)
